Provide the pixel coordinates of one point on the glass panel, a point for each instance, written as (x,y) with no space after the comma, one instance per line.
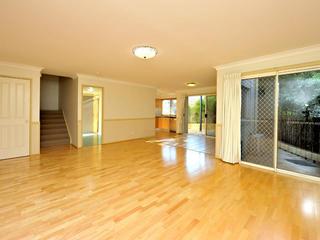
(299,123)
(194,114)
(186,115)
(211,115)
(203,114)
(165,107)
(257,120)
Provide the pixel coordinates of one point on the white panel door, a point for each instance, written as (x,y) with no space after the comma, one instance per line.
(14,117)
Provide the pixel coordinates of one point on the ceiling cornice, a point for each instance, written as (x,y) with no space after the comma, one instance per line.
(270,57)
(98,78)
(21,66)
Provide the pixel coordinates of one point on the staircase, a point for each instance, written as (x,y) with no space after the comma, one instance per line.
(53,130)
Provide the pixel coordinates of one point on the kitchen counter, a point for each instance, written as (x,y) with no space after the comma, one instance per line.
(167,123)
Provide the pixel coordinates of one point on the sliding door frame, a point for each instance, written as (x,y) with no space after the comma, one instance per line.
(200,115)
(276,117)
(272,169)
(186,122)
(276,112)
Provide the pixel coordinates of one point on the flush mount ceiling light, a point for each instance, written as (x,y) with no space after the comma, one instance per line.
(191,84)
(144,52)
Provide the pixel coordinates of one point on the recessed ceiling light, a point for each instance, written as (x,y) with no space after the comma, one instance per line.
(191,84)
(144,52)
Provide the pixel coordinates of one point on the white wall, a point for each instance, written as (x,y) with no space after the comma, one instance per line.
(198,91)
(128,109)
(68,101)
(293,57)
(32,74)
(161,94)
(49,92)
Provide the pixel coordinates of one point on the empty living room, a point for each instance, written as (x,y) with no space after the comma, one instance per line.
(159,120)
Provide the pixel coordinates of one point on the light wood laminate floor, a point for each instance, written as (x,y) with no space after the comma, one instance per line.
(138,190)
(198,143)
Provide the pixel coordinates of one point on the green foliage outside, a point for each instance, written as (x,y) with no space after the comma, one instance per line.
(194,109)
(299,96)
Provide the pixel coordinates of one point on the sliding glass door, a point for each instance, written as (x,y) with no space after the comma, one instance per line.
(280,122)
(299,123)
(196,114)
(257,120)
(201,115)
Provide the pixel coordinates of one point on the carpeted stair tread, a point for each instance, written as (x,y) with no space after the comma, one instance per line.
(53,130)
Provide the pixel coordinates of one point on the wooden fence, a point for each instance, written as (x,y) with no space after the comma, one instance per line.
(302,134)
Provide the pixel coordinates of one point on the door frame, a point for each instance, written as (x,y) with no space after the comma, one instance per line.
(275,149)
(30,112)
(102,111)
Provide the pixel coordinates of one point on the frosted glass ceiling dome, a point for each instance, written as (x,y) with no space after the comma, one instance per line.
(144,52)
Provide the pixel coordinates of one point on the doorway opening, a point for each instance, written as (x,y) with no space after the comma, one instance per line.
(55,101)
(201,112)
(92,101)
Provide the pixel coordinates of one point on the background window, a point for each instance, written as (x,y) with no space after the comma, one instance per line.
(166,107)
(169,107)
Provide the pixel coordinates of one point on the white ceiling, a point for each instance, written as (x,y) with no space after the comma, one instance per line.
(97,36)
